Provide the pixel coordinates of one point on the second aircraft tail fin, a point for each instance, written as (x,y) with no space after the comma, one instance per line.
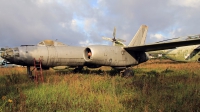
(140,37)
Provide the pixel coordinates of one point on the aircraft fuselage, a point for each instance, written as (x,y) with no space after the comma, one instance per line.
(51,56)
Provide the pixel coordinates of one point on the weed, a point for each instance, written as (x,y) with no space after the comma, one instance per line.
(160,86)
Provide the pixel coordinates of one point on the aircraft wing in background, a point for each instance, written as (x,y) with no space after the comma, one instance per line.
(162,46)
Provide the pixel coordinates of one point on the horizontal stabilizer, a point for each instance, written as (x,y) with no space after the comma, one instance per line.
(198,48)
(162,46)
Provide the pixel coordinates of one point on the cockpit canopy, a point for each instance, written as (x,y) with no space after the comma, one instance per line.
(50,43)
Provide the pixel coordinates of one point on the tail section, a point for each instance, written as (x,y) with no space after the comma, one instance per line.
(140,37)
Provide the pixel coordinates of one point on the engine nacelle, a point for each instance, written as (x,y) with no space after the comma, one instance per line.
(108,56)
(95,55)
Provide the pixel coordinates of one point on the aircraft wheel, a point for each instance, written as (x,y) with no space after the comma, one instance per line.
(128,72)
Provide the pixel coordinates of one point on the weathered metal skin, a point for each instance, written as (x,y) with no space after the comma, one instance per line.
(54,53)
(50,55)
(113,56)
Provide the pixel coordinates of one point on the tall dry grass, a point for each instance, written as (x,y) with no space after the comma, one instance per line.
(157,86)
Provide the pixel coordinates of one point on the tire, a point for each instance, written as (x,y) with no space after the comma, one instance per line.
(128,72)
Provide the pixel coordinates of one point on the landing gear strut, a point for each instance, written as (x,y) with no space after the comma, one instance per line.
(78,69)
(29,72)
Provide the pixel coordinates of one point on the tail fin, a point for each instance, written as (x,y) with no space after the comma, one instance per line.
(140,37)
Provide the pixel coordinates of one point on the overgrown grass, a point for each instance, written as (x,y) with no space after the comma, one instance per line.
(172,87)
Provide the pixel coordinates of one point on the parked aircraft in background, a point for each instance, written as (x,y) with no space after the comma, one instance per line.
(182,54)
(53,53)
(116,42)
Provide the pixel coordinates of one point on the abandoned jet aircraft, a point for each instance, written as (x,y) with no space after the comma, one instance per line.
(53,53)
(181,54)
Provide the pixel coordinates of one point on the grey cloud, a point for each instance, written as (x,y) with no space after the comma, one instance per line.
(28,21)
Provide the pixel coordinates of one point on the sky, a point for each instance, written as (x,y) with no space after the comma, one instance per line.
(85,22)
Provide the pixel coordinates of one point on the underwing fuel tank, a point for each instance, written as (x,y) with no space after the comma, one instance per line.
(52,53)
(109,56)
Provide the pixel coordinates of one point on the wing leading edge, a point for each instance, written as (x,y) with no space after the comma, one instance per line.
(162,46)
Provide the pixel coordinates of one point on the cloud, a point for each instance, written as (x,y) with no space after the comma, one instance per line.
(186,3)
(74,25)
(85,43)
(157,36)
(86,21)
(89,24)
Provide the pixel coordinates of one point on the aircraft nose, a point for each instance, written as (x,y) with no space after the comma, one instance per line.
(8,54)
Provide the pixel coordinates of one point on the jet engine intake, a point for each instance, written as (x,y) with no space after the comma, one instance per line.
(87,54)
(95,55)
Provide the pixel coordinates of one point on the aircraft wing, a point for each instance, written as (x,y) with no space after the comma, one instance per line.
(198,48)
(162,46)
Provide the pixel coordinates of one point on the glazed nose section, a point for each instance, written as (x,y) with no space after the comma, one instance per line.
(8,54)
